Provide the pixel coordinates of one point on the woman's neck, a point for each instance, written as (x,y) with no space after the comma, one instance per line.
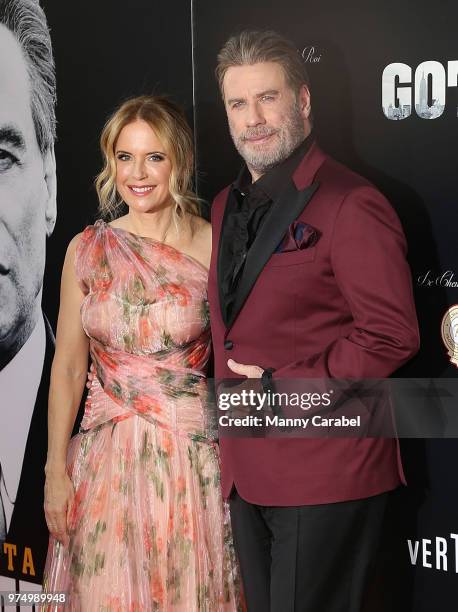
(158,225)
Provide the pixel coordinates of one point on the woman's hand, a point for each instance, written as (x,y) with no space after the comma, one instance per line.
(59,494)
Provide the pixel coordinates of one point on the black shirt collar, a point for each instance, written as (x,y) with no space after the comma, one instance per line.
(273,182)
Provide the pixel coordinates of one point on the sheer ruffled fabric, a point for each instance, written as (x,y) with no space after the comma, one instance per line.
(148,527)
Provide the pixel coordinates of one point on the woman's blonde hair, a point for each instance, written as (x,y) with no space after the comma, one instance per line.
(171,128)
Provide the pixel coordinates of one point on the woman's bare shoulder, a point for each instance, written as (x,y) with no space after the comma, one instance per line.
(201,228)
(202,232)
(202,240)
(73,244)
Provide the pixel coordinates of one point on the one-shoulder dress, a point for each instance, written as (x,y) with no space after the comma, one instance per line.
(148,528)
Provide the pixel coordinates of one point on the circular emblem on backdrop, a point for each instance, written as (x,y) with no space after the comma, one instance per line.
(449,332)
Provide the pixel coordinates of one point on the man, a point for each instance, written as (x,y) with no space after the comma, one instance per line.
(308,280)
(27,217)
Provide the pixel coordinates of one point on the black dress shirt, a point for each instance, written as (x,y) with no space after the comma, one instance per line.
(247,208)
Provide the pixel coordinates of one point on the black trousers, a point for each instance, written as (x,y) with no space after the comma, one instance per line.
(306,558)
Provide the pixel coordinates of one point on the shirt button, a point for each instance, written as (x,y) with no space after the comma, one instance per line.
(228,345)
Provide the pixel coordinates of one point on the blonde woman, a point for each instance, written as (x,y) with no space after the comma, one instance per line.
(133,502)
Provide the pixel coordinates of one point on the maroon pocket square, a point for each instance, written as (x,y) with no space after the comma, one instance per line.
(298,237)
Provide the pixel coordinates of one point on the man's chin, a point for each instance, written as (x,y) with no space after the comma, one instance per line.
(8,331)
(15,327)
(261,165)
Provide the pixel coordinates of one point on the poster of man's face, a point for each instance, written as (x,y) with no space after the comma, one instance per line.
(27,218)
(28,203)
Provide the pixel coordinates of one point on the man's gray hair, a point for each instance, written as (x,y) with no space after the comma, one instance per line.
(255,46)
(27,22)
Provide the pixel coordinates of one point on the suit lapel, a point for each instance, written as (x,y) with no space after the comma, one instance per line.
(32,474)
(283,212)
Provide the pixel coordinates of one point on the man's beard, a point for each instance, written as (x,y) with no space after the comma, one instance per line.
(290,135)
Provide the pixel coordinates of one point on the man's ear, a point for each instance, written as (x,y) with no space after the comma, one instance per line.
(305,102)
(49,168)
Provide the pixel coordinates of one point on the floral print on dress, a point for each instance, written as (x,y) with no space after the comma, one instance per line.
(148,527)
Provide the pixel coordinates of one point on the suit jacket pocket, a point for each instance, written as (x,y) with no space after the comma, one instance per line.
(292,258)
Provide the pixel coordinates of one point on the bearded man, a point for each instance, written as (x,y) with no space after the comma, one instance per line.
(308,280)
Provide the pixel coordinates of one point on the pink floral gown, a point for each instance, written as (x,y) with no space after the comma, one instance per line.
(148,527)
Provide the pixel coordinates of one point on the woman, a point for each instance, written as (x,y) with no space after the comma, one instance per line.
(133,502)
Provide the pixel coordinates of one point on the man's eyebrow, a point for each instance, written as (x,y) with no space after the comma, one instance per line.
(232,100)
(267,92)
(11,135)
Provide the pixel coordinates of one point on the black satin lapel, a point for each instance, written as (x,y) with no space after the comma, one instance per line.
(219,270)
(284,211)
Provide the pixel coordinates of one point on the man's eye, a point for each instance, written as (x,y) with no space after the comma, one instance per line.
(267,98)
(7,160)
(237,105)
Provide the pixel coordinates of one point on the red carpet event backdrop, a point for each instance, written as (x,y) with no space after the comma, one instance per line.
(384,86)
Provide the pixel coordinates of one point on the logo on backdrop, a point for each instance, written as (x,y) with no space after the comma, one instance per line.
(311,55)
(423,92)
(438,553)
(443,279)
(449,332)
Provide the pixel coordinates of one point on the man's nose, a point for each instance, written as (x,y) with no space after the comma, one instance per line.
(254,115)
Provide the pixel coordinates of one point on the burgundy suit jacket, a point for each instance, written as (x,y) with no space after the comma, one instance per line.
(343,309)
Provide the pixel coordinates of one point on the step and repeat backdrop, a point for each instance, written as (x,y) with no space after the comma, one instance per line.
(384,85)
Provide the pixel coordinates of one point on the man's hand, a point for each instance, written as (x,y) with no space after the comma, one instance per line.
(250,371)
(243,395)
